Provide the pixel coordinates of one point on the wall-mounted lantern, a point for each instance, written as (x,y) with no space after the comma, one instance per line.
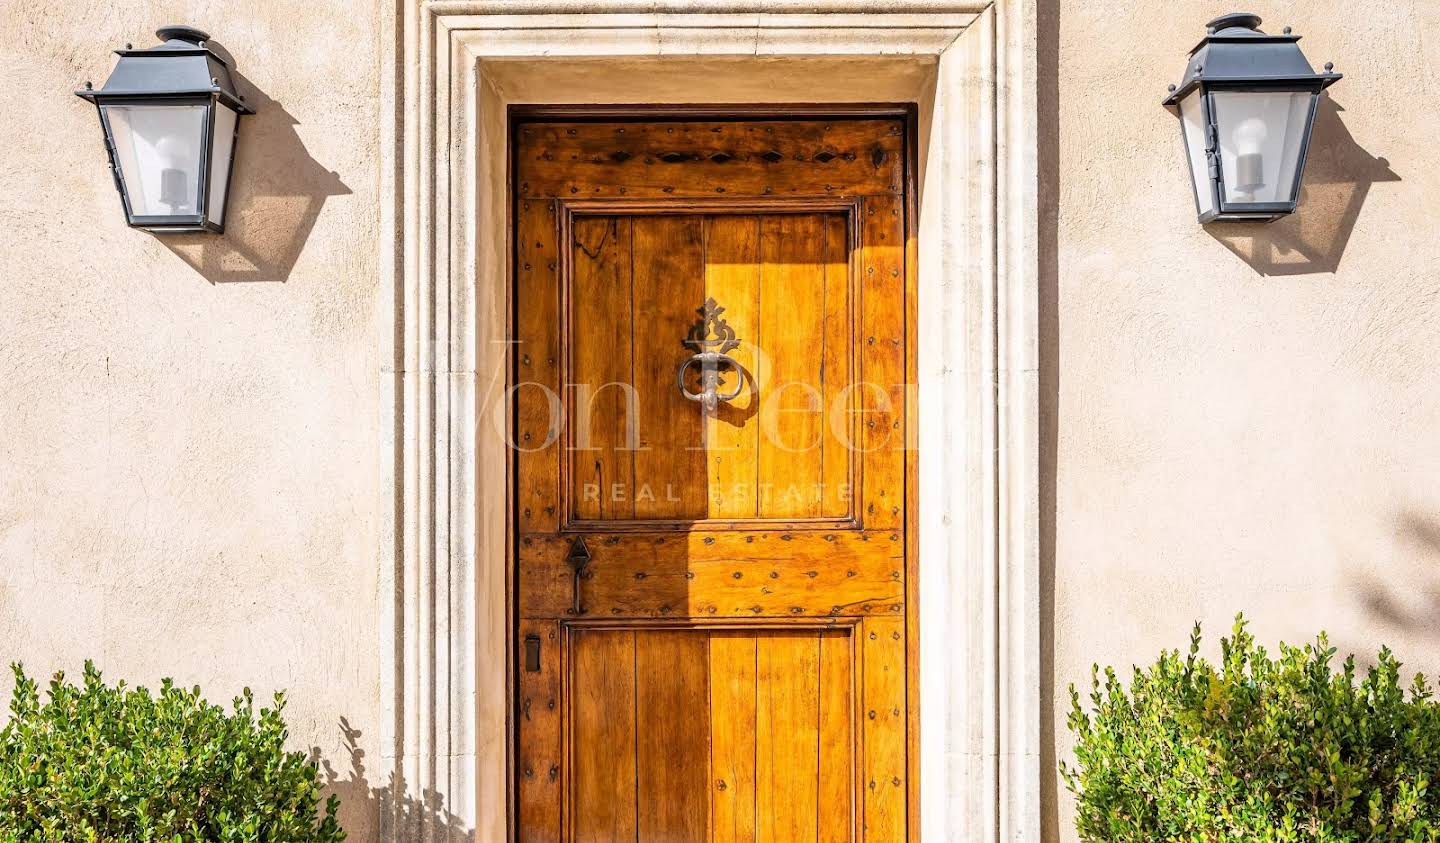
(171,117)
(1246,107)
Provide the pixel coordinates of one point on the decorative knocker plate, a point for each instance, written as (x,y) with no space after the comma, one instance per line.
(711,338)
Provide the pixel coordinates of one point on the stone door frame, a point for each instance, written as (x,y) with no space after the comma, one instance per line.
(451,69)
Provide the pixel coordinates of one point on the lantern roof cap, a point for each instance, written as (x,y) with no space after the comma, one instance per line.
(180,35)
(183,65)
(1236,52)
(1235,24)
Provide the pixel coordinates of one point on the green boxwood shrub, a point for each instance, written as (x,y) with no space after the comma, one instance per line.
(1260,748)
(100,763)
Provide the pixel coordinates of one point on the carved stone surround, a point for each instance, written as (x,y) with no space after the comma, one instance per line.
(453,66)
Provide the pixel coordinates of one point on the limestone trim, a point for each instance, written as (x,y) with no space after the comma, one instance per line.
(451,67)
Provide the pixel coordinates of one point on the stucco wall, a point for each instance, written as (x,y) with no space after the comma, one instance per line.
(1236,417)
(1240,418)
(189,428)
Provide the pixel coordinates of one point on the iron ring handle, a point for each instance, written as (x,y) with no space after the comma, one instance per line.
(711,361)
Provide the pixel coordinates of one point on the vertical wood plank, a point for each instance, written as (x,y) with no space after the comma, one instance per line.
(732,278)
(539,762)
(602,748)
(732,736)
(536,435)
(882,345)
(669,279)
(837,742)
(792,286)
(787,736)
(673,747)
(882,694)
(835,373)
(601,369)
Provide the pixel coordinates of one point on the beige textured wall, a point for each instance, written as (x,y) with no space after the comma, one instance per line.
(1241,417)
(189,429)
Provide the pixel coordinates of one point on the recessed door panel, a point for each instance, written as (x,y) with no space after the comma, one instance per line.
(780,284)
(713,735)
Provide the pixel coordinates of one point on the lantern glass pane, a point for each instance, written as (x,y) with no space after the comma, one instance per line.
(1261,135)
(222,145)
(1194,126)
(158,148)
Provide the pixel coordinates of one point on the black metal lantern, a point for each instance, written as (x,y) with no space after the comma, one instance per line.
(171,117)
(1246,107)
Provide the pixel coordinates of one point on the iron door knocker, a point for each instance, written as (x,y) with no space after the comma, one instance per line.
(711,338)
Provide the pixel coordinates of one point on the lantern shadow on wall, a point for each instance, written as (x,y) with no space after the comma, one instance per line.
(1338,176)
(277,192)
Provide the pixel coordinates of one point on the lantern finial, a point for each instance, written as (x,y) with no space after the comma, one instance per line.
(1234,20)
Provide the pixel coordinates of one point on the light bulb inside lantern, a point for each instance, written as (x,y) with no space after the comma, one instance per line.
(174,187)
(1250,137)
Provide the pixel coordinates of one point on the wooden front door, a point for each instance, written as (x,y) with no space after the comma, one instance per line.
(711,463)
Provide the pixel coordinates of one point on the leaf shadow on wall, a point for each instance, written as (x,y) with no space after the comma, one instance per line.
(1338,175)
(400,814)
(276,193)
(1410,605)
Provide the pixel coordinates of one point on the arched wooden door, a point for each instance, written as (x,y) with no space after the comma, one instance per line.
(711,471)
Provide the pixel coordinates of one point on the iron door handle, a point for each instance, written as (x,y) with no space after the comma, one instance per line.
(579,559)
(711,338)
(710,395)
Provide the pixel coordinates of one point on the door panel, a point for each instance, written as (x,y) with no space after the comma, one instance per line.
(711,597)
(882,693)
(732,274)
(882,257)
(669,275)
(792,270)
(602,358)
(536,381)
(836,371)
(787,737)
(716,735)
(604,736)
(835,787)
(672,688)
(539,761)
(724,574)
(734,703)
(702,158)
(644,453)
